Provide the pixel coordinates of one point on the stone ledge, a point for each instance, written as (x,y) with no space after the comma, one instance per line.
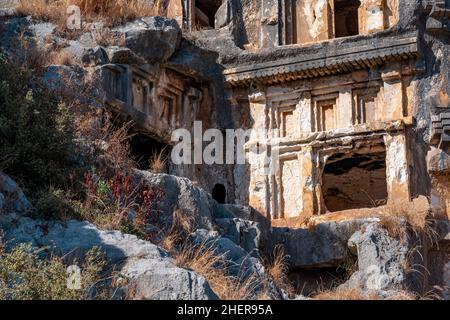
(328,62)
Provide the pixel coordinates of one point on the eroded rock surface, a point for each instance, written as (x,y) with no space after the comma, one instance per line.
(150,270)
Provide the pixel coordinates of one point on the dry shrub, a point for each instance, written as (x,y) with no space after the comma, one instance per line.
(182,226)
(355,294)
(106,37)
(415,214)
(49,11)
(116,144)
(394,226)
(60,58)
(278,270)
(342,293)
(113,12)
(158,162)
(203,260)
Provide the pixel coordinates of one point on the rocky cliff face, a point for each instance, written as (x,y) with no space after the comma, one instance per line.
(154,72)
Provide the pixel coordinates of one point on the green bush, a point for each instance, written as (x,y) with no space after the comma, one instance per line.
(36,140)
(26,276)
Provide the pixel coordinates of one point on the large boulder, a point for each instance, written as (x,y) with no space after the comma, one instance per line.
(246,234)
(242,264)
(151,272)
(12,198)
(182,194)
(324,245)
(153,38)
(380,259)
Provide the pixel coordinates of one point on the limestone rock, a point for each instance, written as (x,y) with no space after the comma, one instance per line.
(153,38)
(121,55)
(223,15)
(323,246)
(152,273)
(380,259)
(246,234)
(12,198)
(42,32)
(242,263)
(95,56)
(182,194)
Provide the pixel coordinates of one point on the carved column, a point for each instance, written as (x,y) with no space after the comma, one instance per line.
(191,106)
(345,108)
(307,192)
(314,20)
(371,16)
(259,189)
(397,168)
(269,33)
(393,93)
(305,113)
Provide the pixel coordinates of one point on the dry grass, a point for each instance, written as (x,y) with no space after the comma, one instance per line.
(36,58)
(158,162)
(117,148)
(61,57)
(106,37)
(202,259)
(355,294)
(394,226)
(205,262)
(278,270)
(343,294)
(51,11)
(182,226)
(416,215)
(112,12)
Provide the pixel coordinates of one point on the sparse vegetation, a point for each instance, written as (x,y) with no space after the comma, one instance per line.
(202,259)
(61,57)
(112,12)
(278,270)
(345,293)
(158,162)
(214,267)
(401,217)
(24,275)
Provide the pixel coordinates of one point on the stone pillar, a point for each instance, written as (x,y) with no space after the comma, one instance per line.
(345,108)
(191,106)
(314,21)
(307,192)
(397,168)
(305,113)
(259,188)
(269,33)
(371,16)
(258,109)
(393,94)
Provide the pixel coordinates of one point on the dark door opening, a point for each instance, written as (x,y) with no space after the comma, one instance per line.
(205,12)
(355,181)
(146,150)
(219,193)
(346,18)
